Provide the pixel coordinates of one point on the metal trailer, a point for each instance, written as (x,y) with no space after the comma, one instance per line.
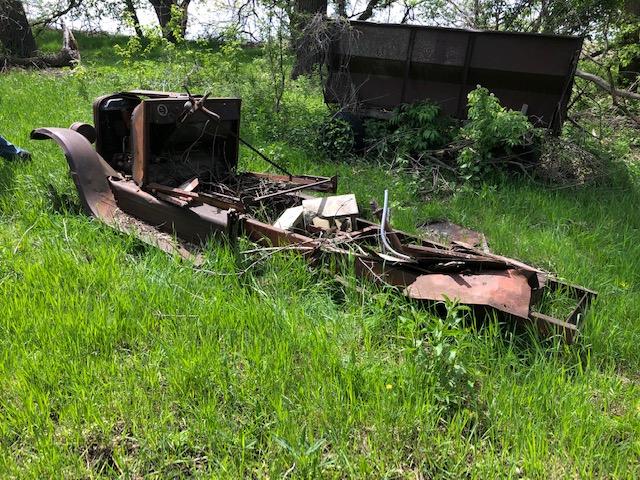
(375,67)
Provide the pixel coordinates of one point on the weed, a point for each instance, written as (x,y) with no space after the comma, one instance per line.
(490,129)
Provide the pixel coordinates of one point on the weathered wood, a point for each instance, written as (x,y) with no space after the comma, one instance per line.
(68,56)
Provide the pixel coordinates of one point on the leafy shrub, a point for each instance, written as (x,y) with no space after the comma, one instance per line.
(419,127)
(412,130)
(490,128)
(337,139)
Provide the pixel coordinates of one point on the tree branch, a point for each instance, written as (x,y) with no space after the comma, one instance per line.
(368,11)
(604,85)
(43,23)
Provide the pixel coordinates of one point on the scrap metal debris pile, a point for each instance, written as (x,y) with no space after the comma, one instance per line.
(168,162)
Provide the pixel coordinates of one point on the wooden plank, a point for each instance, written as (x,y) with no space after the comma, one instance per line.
(290,218)
(190,185)
(334,206)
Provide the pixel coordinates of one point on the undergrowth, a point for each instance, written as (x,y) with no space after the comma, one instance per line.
(420,135)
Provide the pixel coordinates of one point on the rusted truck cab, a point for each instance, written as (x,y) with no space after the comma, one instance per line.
(153,150)
(168,162)
(136,133)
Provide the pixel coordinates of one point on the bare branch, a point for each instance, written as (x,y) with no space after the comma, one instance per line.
(43,23)
(608,87)
(368,11)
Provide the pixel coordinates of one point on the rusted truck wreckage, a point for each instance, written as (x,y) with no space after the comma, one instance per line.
(168,161)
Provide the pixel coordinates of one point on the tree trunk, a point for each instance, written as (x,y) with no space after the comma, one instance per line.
(15,33)
(163,12)
(130,8)
(631,70)
(68,56)
(369,9)
(303,11)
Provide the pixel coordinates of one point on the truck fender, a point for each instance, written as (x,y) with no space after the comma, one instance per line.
(88,169)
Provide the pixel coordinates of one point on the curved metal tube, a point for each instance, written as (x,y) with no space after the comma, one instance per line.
(386,246)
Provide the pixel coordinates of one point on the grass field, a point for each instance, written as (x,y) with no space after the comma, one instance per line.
(119,361)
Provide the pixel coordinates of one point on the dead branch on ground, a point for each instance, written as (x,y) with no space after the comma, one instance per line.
(68,56)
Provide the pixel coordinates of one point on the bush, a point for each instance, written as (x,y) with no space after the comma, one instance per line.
(419,127)
(337,139)
(490,128)
(412,130)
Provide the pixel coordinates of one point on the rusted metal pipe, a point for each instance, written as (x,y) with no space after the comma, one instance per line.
(292,190)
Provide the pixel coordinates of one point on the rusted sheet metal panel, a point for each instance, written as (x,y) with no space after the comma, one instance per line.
(390,64)
(88,170)
(446,231)
(507,291)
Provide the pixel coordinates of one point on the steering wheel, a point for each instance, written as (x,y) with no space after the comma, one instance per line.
(194,104)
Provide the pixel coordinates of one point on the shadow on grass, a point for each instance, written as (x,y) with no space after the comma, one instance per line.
(7,175)
(615,184)
(63,202)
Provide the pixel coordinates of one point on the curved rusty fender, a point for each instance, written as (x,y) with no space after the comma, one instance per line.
(88,170)
(91,174)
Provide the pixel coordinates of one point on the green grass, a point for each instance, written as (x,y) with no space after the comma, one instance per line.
(120,361)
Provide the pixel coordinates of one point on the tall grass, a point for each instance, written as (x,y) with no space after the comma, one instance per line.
(117,360)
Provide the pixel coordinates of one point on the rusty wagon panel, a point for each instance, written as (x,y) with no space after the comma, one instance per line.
(379,66)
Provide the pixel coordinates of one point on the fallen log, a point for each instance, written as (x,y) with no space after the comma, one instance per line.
(68,56)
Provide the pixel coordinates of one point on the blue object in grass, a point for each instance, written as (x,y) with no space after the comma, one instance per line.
(9,151)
